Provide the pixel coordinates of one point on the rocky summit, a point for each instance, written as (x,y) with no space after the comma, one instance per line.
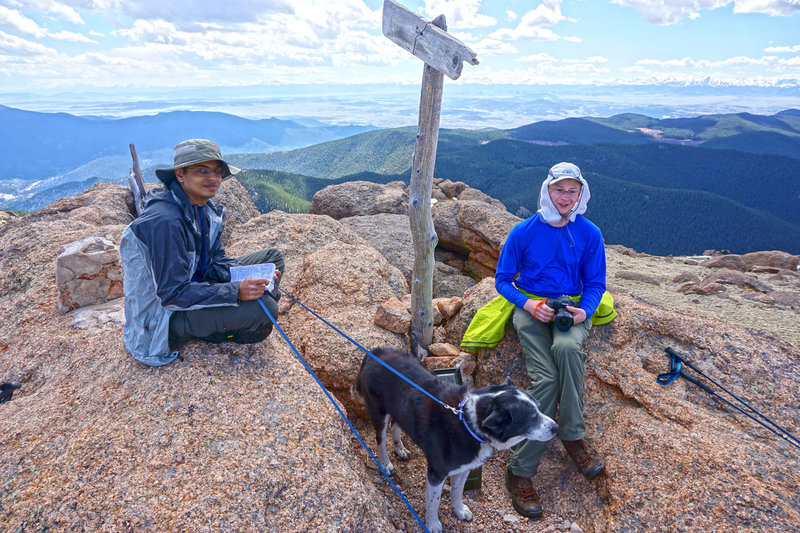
(242,438)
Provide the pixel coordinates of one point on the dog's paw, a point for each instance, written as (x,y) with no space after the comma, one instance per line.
(389,468)
(463,513)
(434,527)
(402,453)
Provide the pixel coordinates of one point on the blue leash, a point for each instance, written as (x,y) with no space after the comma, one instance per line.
(675,370)
(344,417)
(450,408)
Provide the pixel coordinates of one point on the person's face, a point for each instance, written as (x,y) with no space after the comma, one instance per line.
(200,181)
(565,194)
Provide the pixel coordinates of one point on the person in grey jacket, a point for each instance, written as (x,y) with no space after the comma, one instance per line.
(176,275)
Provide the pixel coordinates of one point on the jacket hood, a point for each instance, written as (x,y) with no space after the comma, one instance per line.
(547,210)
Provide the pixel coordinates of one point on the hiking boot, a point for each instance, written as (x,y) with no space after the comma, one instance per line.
(586,458)
(218,337)
(250,337)
(523,496)
(240,336)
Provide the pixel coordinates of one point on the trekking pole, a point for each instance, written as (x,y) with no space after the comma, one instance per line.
(677,360)
(7,389)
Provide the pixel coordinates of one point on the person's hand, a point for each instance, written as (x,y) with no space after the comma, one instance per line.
(276,275)
(252,289)
(539,310)
(578,313)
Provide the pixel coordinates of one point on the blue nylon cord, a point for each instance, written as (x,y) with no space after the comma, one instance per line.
(378,359)
(672,375)
(344,417)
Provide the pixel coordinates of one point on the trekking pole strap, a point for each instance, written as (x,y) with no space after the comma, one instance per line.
(674,372)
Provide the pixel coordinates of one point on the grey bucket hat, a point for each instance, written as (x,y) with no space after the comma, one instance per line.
(191,152)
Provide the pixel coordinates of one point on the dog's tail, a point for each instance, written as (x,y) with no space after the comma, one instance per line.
(357,388)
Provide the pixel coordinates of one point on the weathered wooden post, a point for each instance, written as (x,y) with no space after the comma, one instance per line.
(136,182)
(442,54)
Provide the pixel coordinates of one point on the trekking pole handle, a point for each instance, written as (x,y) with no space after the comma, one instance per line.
(673,353)
(7,389)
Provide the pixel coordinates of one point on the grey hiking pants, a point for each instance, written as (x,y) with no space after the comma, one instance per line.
(247,317)
(555,363)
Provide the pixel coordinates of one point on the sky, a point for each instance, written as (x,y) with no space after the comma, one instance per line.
(175,43)
(123,48)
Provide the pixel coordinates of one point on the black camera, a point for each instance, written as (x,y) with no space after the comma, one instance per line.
(564,319)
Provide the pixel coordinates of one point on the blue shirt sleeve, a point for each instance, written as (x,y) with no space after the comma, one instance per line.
(508,265)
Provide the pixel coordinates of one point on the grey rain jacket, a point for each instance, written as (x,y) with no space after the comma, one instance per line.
(159,256)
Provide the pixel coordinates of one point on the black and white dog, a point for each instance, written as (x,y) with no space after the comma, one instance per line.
(490,418)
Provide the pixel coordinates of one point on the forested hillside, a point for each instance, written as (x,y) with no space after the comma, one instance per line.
(777,134)
(386,151)
(285,191)
(657,197)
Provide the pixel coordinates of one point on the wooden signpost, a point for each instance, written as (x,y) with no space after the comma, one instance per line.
(442,54)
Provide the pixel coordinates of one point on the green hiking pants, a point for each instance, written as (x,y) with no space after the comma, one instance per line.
(247,317)
(555,363)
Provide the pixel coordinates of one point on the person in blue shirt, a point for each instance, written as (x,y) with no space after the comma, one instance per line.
(553,253)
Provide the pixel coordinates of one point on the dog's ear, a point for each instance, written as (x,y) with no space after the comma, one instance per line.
(509,381)
(496,422)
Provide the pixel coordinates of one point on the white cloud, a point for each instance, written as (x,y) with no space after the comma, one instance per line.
(459,13)
(532,25)
(776,8)
(538,58)
(494,47)
(185,12)
(11,45)
(783,49)
(666,12)
(510,15)
(71,36)
(19,23)
(593,59)
(670,12)
(60,9)
(158,31)
(65,12)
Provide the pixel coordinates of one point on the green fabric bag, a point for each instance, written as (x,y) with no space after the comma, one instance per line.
(605,311)
(488,326)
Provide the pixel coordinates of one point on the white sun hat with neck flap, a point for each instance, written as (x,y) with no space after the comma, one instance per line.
(562,171)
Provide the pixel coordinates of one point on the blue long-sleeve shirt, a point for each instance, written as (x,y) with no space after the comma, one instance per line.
(553,261)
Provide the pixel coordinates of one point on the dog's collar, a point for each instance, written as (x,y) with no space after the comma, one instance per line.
(469,430)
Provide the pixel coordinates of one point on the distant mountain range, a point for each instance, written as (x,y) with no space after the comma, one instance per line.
(39,151)
(663,186)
